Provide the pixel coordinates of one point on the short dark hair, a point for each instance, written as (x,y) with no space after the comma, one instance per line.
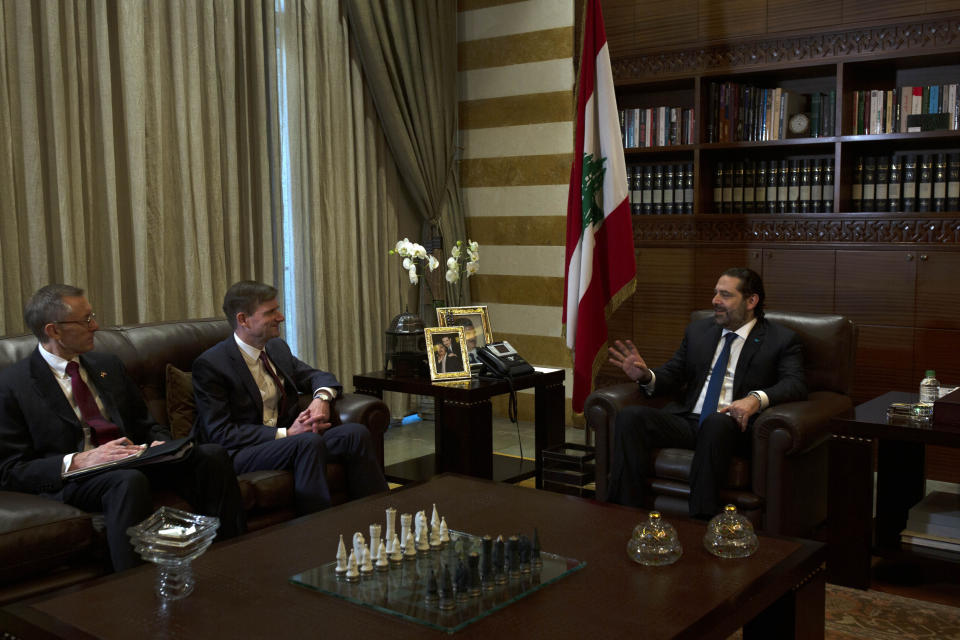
(246,296)
(750,283)
(46,306)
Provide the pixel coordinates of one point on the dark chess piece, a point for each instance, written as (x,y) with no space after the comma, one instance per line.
(461,582)
(499,573)
(486,562)
(513,557)
(525,548)
(432,594)
(446,590)
(473,560)
(537,560)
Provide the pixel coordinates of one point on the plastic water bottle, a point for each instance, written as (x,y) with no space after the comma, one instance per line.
(929,388)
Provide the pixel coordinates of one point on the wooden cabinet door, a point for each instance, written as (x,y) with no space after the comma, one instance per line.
(938,290)
(799,280)
(876,287)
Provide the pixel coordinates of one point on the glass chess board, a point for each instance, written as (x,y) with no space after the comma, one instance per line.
(401,591)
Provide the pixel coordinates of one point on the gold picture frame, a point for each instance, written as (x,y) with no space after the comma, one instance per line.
(469,318)
(446,347)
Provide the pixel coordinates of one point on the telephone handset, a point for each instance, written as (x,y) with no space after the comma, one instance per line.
(503,361)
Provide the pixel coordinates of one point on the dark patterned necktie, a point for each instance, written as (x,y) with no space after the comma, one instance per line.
(281,405)
(102,430)
(719,372)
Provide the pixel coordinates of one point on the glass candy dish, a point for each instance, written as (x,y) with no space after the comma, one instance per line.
(171,539)
(730,535)
(654,543)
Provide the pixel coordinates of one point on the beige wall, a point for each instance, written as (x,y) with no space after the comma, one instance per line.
(516,127)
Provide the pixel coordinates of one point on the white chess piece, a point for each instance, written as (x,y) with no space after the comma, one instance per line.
(410,549)
(358,542)
(396,554)
(406,525)
(374,535)
(352,574)
(420,523)
(435,518)
(341,557)
(382,563)
(391,524)
(444,531)
(367,565)
(423,543)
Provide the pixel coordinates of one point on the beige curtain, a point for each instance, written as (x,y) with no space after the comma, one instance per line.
(409,54)
(347,199)
(134,153)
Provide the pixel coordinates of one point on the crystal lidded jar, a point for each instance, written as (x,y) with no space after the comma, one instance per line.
(730,535)
(654,542)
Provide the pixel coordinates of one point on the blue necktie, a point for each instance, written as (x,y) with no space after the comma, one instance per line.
(716,380)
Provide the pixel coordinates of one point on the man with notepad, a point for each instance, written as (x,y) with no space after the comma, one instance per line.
(65,409)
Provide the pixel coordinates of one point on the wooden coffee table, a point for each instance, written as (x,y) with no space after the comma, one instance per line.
(243,589)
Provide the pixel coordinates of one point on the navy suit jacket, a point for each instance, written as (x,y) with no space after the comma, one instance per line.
(38,426)
(229,404)
(771,361)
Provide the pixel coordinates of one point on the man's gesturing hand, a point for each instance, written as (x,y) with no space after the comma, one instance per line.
(628,358)
(109,452)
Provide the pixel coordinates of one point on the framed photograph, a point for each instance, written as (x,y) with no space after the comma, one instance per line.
(446,348)
(475,322)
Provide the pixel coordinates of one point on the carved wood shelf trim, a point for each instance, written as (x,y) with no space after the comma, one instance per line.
(927,230)
(929,36)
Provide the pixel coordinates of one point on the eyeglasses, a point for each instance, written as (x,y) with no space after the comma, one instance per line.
(86,321)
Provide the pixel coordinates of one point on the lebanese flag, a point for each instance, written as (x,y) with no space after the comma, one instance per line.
(600,266)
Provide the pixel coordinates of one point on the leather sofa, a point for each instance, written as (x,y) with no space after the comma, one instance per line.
(782,485)
(45,544)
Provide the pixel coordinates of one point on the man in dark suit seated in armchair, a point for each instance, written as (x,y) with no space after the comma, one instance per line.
(728,368)
(66,408)
(246,389)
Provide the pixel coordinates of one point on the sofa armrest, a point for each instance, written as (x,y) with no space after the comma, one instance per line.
(801,426)
(369,411)
(599,411)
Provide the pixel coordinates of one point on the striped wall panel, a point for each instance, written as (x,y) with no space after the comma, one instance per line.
(516,132)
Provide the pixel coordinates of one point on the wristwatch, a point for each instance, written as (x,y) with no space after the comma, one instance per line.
(322,395)
(758,397)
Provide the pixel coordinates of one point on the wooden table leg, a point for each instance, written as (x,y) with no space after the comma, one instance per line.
(464,437)
(850,511)
(798,615)
(900,485)
(550,423)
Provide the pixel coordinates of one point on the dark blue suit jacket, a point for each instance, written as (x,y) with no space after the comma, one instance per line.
(229,404)
(771,361)
(38,426)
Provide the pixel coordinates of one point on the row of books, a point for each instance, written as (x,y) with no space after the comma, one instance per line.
(797,185)
(660,188)
(877,111)
(744,113)
(656,127)
(933,525)
(907,182)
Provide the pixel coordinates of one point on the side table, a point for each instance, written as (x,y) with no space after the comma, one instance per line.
(852,536)
(464,420)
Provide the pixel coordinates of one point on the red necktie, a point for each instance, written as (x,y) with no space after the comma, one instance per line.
(102,430)
(276,381)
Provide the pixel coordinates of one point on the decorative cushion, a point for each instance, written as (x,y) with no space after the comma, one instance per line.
(181,407)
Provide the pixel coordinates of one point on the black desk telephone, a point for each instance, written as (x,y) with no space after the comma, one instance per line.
(502,360)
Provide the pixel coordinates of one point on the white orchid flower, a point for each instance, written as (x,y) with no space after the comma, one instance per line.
(403,247)
(452,264)
(432,262)
(474,246)
(407,263)
(414,279)
(452,276)
(473,267)
(473,256)
(417,251)
(455,251)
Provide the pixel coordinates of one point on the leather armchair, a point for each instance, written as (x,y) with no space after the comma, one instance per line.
(782,486)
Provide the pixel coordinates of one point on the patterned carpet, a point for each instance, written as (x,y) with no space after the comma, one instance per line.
(852,614)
